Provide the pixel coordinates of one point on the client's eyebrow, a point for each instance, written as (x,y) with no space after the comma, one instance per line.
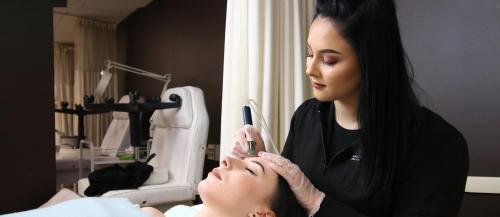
(258,163)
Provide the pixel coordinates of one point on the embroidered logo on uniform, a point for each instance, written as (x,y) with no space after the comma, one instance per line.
(356,157)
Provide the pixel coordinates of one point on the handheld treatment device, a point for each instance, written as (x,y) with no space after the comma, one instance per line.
(247,119)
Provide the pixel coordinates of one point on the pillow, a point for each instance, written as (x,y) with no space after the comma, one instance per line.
(158,176)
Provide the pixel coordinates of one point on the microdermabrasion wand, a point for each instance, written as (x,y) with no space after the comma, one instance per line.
(247,119)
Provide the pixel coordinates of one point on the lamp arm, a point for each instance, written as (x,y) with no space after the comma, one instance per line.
(106,76)
(143,73)
(110,64)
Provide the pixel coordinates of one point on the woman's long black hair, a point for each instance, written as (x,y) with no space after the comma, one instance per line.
(386,98)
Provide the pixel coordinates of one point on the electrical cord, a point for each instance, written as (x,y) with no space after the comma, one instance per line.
(254,106)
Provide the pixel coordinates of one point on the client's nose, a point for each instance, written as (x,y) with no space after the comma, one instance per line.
(225,162)
(229,162)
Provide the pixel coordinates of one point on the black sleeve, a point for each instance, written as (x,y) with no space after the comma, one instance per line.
(433,181)
(332,207)
(295,121)
(288,148)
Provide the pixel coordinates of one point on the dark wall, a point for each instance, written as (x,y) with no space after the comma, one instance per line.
(184,38)
(480,205)
(455,49)
(27,160)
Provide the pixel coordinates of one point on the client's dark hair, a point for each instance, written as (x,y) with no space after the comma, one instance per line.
(284,203)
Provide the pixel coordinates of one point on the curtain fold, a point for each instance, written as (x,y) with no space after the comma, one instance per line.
(264,60)
(95,42)
(63,87)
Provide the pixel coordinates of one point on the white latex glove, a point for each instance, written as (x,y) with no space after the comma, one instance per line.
(308,196)
(240,146)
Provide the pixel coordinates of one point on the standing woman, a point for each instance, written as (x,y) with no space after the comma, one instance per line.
(363,146)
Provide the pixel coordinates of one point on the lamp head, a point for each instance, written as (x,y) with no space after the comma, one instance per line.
(103,83)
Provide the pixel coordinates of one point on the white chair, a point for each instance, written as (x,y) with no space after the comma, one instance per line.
(71,165)
(117,137)
(179,142)
(115,141)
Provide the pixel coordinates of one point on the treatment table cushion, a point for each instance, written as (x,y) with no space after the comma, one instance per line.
(90,206)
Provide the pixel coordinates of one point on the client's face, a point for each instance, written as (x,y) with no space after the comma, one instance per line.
(239,184)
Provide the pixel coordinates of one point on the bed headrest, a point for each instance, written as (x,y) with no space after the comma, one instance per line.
(181,117)
(124,115)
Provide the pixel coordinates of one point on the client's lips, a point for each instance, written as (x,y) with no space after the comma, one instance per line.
(215,172)
(318,85)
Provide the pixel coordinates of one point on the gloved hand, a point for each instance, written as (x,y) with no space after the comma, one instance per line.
(240,146)
(308,196)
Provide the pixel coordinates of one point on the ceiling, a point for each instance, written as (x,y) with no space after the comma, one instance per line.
(113,11)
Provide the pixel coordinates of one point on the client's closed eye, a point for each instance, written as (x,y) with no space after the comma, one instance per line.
(262,167)
(251,171)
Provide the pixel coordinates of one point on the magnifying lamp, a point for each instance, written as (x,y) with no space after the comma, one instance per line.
(106,76)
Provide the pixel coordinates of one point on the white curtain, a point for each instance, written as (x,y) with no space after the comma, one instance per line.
(264,60)
(95,42)
(63,87)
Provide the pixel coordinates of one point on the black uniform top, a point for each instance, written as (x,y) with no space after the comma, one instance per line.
(432,182)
